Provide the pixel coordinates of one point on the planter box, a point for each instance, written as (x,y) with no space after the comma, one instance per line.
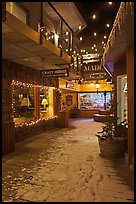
(112,148)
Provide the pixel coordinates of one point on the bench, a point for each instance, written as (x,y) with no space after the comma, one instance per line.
(101,118)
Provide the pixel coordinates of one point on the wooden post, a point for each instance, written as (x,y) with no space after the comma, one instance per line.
(37,103)
(130,92)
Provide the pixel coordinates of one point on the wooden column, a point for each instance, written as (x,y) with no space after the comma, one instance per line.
(37,103)
(8,128)
(130,92)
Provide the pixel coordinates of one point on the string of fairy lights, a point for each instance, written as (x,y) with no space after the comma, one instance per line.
(27,85)
(124,9)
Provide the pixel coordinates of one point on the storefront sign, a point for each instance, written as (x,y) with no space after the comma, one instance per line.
(55,73)
(92,68)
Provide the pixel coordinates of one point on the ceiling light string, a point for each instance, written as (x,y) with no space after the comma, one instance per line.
(118,23)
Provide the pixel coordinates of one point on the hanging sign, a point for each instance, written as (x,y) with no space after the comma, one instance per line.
(92,68)
(55,73)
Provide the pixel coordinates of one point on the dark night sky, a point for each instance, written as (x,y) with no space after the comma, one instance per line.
(105,14)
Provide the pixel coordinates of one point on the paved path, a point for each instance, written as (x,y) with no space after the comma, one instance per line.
(64,165)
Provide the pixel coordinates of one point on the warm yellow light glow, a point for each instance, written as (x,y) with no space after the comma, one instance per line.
(94,16)
(92,48)
(110,3)
(108,25)
(81,38)
(66,40)
(95,34)
(79,27)
(105,37)
(67,33)
(97,85)
(95,49)
(94,45)
(66,50)
(102,42)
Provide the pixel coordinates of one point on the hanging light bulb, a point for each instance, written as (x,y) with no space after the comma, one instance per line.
(97,85)
(79,27)
(81,38)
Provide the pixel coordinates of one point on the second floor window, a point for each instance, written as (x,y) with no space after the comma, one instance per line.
(16,10)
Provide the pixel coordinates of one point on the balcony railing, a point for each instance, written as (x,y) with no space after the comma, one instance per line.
(51,26)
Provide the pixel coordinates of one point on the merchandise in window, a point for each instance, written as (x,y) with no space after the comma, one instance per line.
(46,102)
(88,101)
(23,104)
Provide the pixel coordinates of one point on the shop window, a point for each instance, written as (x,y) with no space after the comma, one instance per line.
(88,101)
(46,102)
(23,104)
(17,11)
(122,98)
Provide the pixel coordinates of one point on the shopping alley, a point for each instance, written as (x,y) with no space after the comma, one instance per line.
(67,101)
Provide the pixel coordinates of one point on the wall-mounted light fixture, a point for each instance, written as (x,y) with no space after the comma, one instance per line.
(97,85)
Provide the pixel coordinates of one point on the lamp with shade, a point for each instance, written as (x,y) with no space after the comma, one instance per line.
(44,102)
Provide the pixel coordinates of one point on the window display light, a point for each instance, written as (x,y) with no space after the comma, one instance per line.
(25,102)
(44,102)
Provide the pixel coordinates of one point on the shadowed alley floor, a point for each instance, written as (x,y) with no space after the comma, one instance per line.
(64,165)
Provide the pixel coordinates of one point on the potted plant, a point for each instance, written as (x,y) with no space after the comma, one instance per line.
(113,138)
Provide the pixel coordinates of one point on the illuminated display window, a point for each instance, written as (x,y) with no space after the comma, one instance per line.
(23,101)
(46,102)
(88,101)
(31,101)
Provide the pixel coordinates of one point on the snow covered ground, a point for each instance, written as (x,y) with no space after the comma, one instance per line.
(64,165)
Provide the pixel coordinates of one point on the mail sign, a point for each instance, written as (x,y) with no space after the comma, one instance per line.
(55,73)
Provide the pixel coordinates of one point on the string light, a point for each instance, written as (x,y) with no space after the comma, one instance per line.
(94,16)
(122,11)
(34,122)
(79,27)
(67,33)
(110,3)
(26,85)
(105,36)
(108,25)
(81,38)
(94,34)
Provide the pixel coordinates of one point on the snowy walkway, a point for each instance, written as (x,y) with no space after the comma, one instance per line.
(64,165)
